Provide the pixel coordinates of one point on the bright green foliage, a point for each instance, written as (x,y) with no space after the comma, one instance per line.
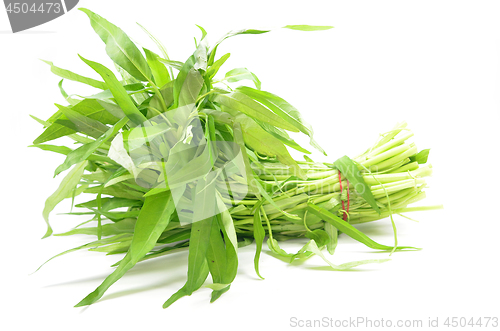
(163,135)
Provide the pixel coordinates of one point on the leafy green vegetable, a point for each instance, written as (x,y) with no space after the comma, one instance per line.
(187,161)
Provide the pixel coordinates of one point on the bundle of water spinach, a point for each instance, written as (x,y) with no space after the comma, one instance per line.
(177,159)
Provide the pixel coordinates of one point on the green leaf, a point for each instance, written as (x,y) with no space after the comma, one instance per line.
(240,141)
(241,102)
(282,136)
(238,74)
(111,203)
(276,249)
(350,170)
(172,64)
(152,221)
(333,235)
(190,88)
(75,77)
(52,132)
(84,151)
(105,241)
(312,247)
(133,89)
(93,109)
(235,33)
(349,230)
(112,108)
(140,136)
(257,31)
(264,143)
(319,236)
(204,195)
(81,123)
(283,109)
(214,68)
(308,27)
(200,56)
(63,191)
(118,190)
(66,150)
(114,216)
(124,226)
(118,91)
(119,47)
(160,72)
(216,257)
(197,261)
(223,251)
(421,157)
(65,95)
(181,78)
(258,233)
(160,46)
(203,32)
(87,107)
(52,148)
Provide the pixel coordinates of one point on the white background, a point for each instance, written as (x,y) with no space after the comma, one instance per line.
(434,64)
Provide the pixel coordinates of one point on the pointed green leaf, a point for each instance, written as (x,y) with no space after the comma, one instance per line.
(238,74)
(191,88)
(216,255)
(421,157)
(96,243)
(266,144)
(181,78)
(349,230)
(160,72)
(152,221)
(52,132)
(124,226)
(197,261)
(222,254)
(283,109)
(258,233)
(241,102)
(319,236)
(52,148)
(350,170)
(214,68)
(75,77)
(84,151)
(119,47)
(63,191)
(118,91)
(312,247)
(87,107)
(308,27)
(333,235)
(283,136)
(81,123)
(172,64)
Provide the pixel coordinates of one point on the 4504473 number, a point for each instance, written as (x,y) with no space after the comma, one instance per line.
(471,322)
(44,7)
